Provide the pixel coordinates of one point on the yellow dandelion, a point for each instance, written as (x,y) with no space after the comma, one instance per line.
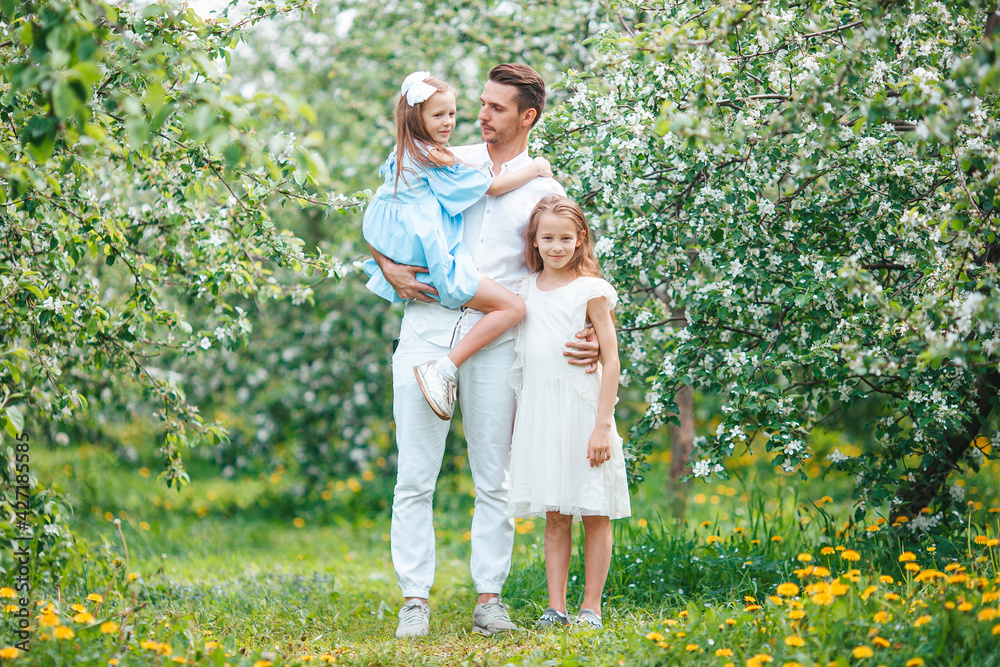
(965,606)
(796,614)
(886,579)
(62,632)
(881,641)
(263,663)
(724,652)
(712,539)
(777,538)
(730,621)
(996,629)
(951,567)
(691,648)
(8,592)
(892,597)
(993,510)
(915,662)
(804,557)
(77,607)
(928,575)
(795,640)
(11,608)
(83,617)
(820,571)
(921,620)
(776,599)
(788,589)
(107,627)
(95,597)
(874,528)
(862,652)
(643,523)
(826,551)
(823,599)
(987,614)
(841,547)
(654,636)
(992,542)
(706,524)
(48,620)
(9,653)
(298,522)
(759,660)
(980,539)
(132,576)
(868,592)
(850,555)
(912,567)
(752,607)
(882,616)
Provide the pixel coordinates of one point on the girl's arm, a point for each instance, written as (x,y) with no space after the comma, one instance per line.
(513,180)
(599,447)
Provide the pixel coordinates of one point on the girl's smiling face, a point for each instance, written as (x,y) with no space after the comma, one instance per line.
(557,240)
(438,114)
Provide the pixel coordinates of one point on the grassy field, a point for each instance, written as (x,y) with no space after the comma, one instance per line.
(763,569)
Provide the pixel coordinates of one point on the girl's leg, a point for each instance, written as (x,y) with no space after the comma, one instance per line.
(503,310)
(558,545)
(596,559)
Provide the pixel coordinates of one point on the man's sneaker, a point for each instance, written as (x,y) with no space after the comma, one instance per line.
(414,619)
(490,618)
(587,617)
(438,389)
(552,618)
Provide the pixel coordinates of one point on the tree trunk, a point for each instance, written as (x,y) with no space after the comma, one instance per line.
(681,444)
(930,482)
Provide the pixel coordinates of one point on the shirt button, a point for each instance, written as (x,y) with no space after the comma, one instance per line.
(488,211)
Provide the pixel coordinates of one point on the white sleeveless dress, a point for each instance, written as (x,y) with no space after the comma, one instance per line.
(557,410)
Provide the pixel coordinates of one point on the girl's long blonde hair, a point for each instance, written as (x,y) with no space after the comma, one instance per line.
(412,138)
(584,261)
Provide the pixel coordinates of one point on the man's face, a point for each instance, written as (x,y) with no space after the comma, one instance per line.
(498,114)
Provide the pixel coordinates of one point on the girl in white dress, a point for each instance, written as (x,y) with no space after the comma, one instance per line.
(566,454)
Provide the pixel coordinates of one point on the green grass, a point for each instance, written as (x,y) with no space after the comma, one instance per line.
(271,578)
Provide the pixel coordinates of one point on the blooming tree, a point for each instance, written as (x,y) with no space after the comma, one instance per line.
(134,209)
(809,190)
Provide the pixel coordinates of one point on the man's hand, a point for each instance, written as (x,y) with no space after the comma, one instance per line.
(585,351)
(403,278)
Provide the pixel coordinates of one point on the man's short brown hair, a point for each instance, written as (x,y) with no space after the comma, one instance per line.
(529,84)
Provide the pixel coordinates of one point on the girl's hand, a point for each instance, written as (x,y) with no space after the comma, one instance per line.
(543,167)
(599,447)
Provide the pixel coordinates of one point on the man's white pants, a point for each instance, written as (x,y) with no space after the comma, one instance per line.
(487,404)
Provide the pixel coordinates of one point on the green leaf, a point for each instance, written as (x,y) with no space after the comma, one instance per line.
(15,420)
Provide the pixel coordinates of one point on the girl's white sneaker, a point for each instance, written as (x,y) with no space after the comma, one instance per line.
(438,390)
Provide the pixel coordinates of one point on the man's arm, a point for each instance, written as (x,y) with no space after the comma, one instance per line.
(585,351)
(403,278)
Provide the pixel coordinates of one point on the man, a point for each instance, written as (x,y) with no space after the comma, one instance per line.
(512,102)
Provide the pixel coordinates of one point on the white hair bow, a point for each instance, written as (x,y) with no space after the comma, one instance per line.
(416,89)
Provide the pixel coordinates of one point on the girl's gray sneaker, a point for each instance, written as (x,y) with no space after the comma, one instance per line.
(552,618)
(590,618)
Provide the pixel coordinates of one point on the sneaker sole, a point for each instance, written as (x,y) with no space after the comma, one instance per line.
(486,633)
(423,390)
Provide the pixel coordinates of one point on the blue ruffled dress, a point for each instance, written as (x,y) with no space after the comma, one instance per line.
(421,224)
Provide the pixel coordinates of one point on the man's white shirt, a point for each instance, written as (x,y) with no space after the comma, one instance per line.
(494,234)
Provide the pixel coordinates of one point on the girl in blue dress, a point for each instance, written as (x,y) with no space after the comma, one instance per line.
(415,218)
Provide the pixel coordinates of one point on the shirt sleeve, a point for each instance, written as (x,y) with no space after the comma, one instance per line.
(596,287)
(457,187)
